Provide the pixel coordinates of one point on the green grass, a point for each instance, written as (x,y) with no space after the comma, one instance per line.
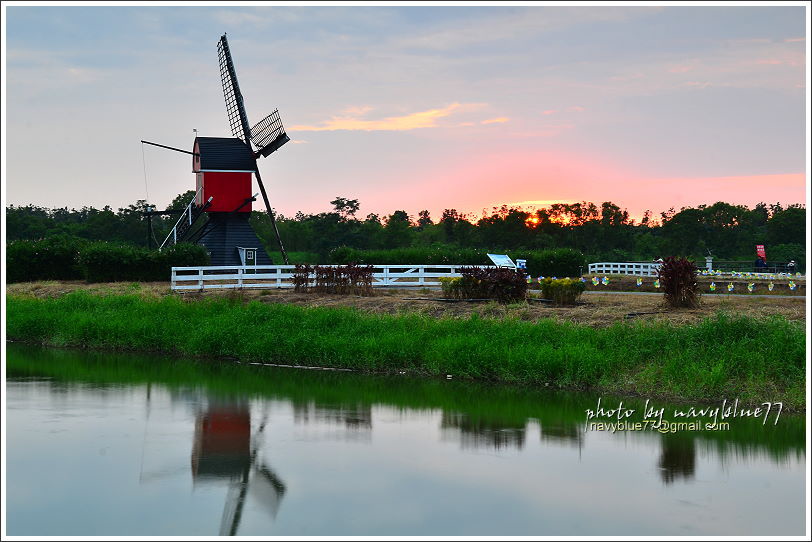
(725,356)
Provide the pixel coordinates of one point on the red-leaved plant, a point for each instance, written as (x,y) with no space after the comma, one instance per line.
(301,277)
(339,279)
(678,282)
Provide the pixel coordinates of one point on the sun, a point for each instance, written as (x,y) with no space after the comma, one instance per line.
(532,221)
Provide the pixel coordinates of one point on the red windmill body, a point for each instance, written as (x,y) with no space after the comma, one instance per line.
(224,167)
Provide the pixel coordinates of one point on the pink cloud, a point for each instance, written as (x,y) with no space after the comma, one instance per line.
(357,110)
(549,112)
(680,69)
(350,120)
(497,120)
(576,109)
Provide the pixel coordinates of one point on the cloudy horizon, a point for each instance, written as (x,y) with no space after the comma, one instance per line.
(416,107)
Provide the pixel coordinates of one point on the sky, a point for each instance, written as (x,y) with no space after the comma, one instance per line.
(415,107)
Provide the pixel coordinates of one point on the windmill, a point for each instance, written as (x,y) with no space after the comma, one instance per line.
(224,167)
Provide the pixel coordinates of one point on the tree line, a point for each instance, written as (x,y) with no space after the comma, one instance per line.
(603,232)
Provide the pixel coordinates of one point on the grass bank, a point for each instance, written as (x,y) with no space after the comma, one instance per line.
(722,356)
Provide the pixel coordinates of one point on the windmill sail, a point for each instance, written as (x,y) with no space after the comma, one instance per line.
(237,118)
(269,134)
(238,121)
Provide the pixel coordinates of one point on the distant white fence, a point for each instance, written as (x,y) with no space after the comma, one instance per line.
(281,276)
(649,269)
(628,268)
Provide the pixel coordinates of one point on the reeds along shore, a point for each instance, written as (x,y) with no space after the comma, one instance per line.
(724,356)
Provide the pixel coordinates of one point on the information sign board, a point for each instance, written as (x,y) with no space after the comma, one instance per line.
(502,260)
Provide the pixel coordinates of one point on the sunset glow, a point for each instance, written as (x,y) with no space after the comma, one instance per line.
(418,108)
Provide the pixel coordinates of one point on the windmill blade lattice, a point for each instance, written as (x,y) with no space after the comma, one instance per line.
(235,109)
(269,134)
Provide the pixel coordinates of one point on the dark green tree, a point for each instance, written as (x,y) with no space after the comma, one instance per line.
(423,219)
(181,200)
(398,232)
(346,208)
(787,226)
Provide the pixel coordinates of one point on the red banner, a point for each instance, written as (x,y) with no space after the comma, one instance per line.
(760,252)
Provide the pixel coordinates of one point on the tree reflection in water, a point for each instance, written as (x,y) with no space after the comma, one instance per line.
(354,416)
(563,432)
(677,458)
(478,432)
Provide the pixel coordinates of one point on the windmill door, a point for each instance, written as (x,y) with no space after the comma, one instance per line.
(248,257)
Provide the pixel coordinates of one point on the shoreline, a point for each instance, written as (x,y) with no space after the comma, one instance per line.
(548,387)
(755,359)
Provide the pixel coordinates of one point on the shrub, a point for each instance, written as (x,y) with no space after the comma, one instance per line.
(70,258)
(301,277)
(111,262)
(562,291)
(183,255)
(452,287)
(180,255)
(678,280)
(559,262)
(340,279)
(504,285)
(787,252)
(54,258)
(344,255)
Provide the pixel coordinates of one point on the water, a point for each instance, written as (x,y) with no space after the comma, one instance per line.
(114,444)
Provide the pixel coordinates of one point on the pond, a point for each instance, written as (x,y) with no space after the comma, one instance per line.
(127,445)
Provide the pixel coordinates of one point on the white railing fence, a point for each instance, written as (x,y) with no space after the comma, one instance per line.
(628,268)
(281,276)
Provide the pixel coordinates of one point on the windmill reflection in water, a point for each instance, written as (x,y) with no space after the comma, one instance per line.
(224,449)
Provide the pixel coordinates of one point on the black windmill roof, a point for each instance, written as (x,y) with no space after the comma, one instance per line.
(225,154)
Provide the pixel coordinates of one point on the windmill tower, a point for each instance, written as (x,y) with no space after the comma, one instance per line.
(223,167)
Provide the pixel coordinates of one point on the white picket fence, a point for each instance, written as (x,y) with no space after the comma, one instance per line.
(624,268)
(281,276)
